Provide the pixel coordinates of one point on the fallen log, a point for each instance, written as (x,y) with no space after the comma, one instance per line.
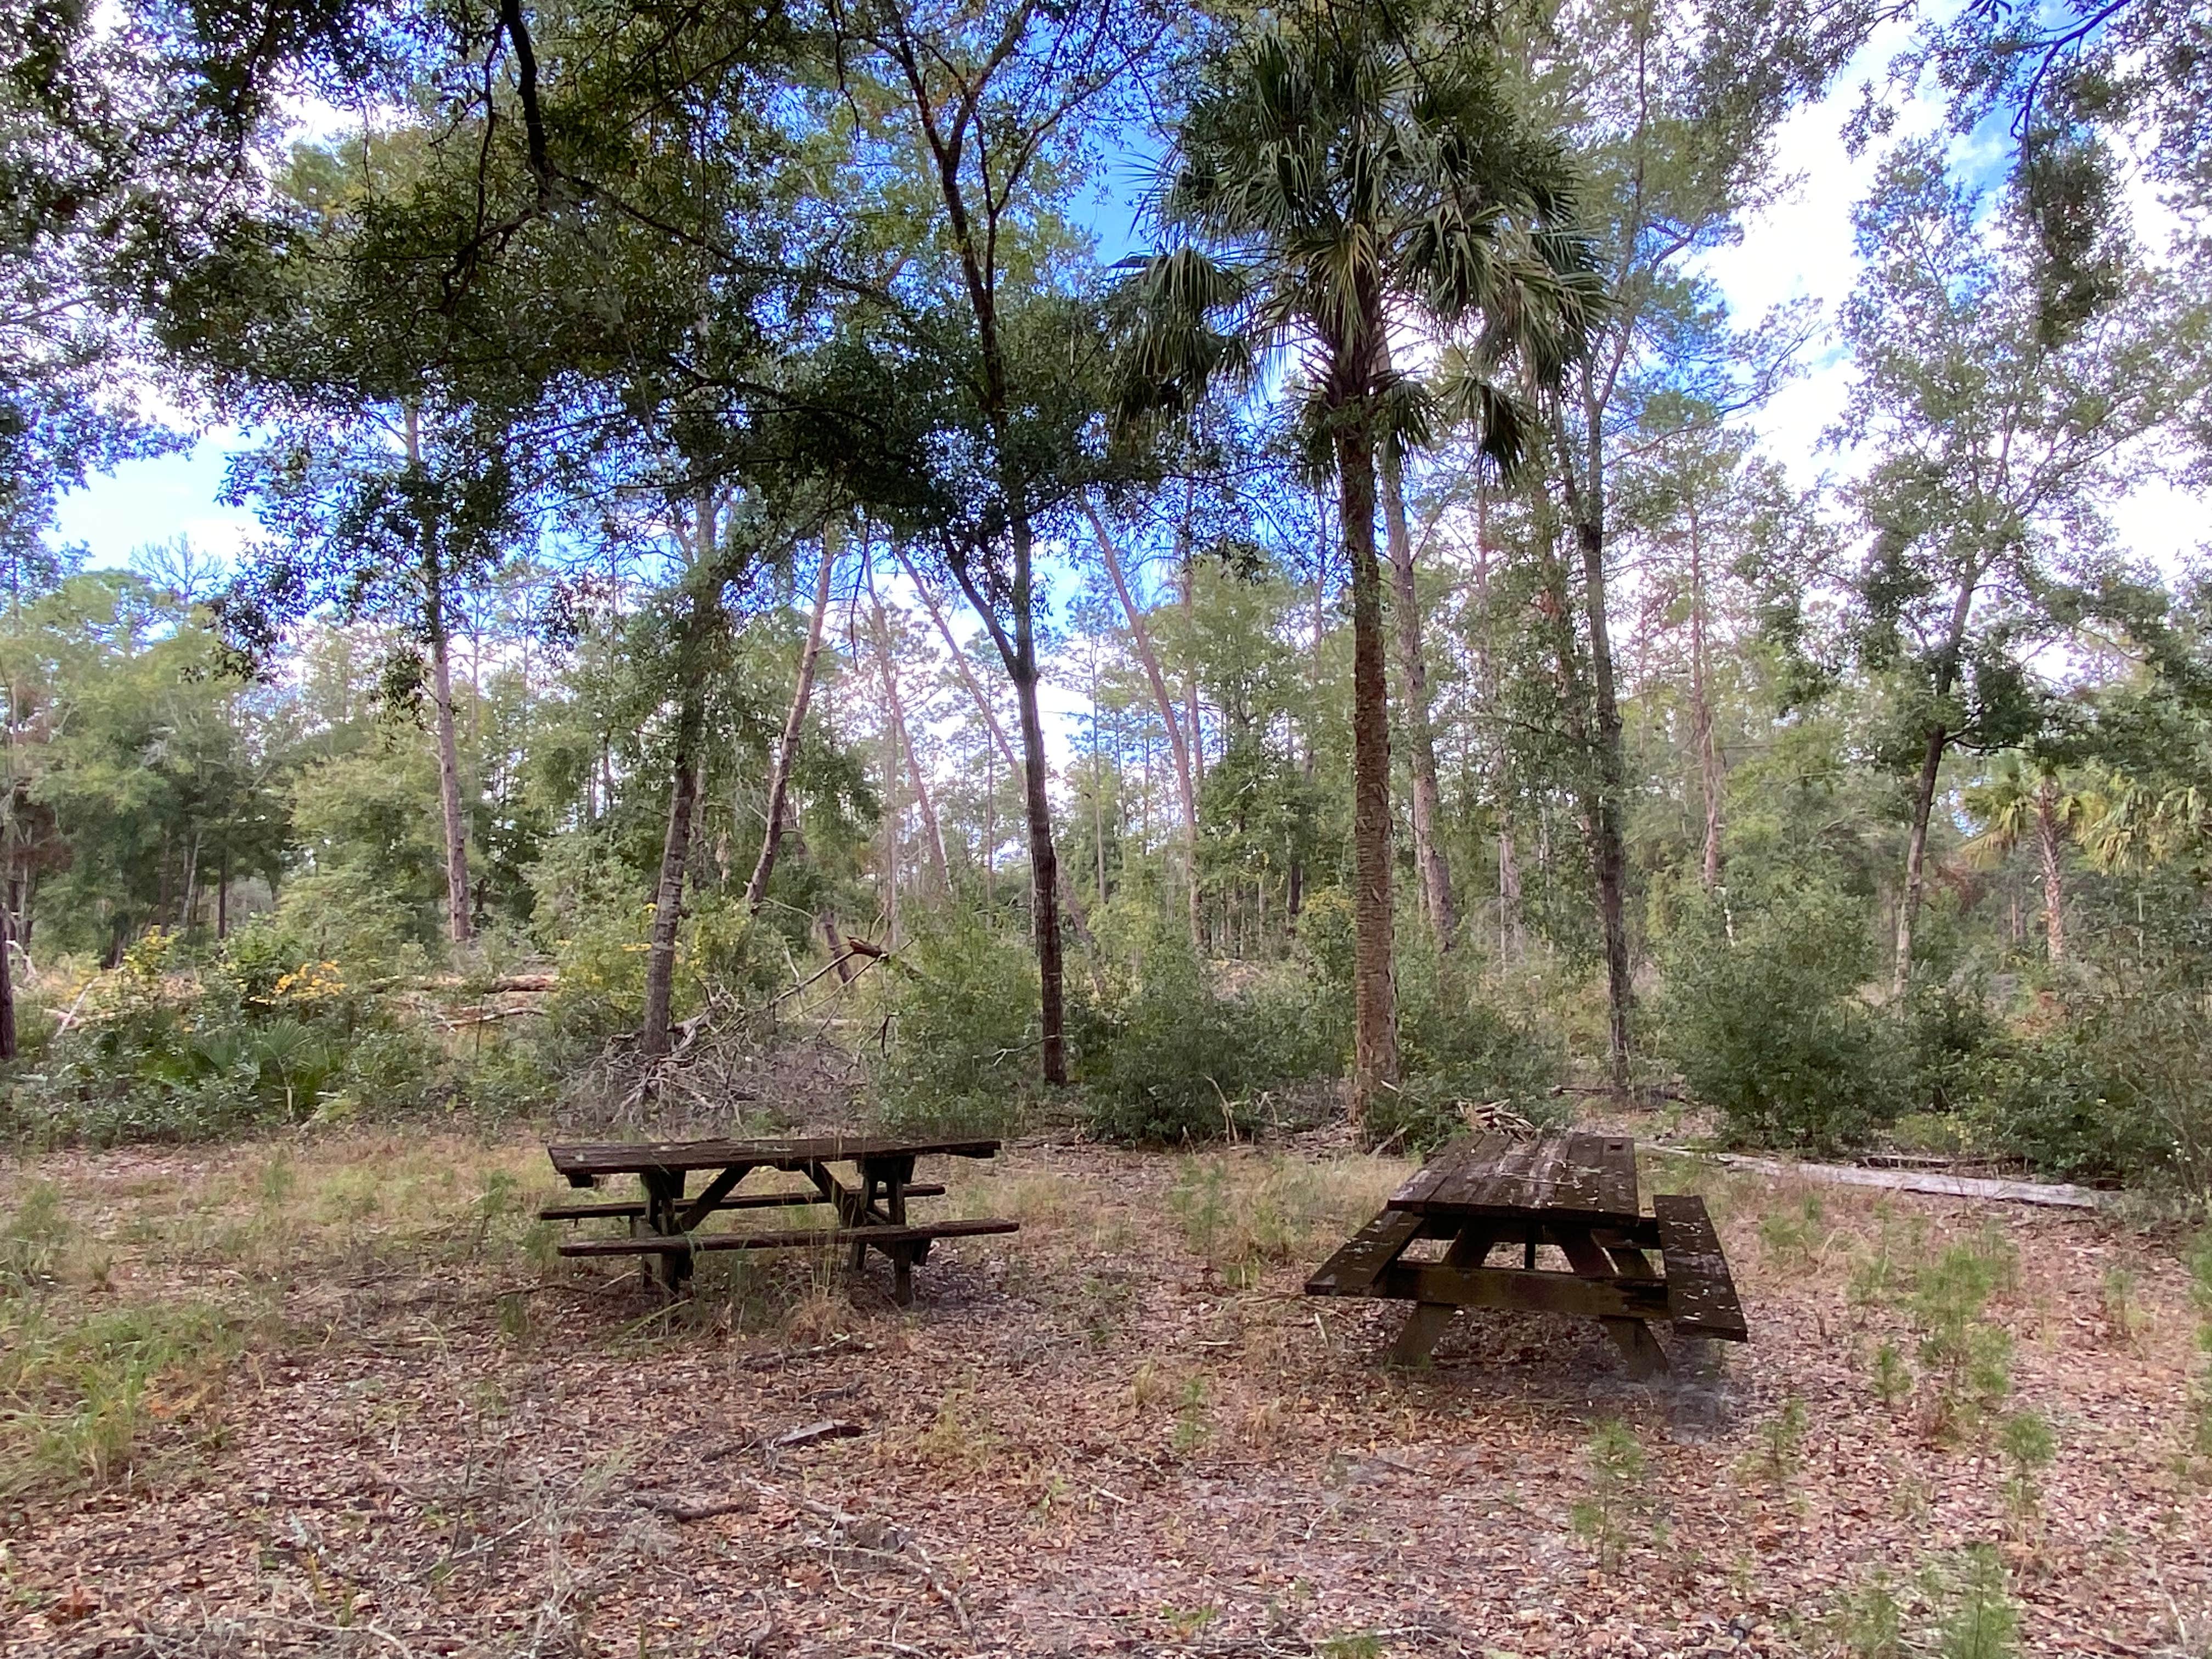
(2055,1195)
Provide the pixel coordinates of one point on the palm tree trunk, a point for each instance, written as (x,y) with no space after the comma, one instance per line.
(794,722)
(1141,637)
(1374,990)
(1413,675)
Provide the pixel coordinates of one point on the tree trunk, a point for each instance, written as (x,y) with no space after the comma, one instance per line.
(449,793)
(1916,851)
(683,790)
(933,835)
(1375,1024)
(1609,860)
(1140,636)
(1196,750)
(1413,674)
(794,722)
(222,894)
(441,695)
(1509,897)
(668,895)
(1931,765)
(891,764)
(7,986)
(1018,654)
(1044,861)
(1701,710)
(2054,890)
(188,913)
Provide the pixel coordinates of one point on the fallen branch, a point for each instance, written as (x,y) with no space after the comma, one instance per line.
(675,1508)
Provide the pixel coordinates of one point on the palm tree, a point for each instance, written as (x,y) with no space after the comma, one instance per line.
(1337,171)
(2022,797)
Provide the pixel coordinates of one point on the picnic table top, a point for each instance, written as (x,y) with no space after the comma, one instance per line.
(1586,1176)
(631,1157)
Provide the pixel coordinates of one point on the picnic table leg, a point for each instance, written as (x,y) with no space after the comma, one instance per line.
(1638,1347)
(1426,1324)
(664,1193)
(891,1177)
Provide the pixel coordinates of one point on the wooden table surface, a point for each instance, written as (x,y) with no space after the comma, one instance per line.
(583,1162)
(1577,1194)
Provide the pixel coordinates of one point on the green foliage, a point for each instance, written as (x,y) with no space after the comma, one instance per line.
(81,1381)
(2029,1444)
(1870,1622)
(1604,1518)
(1892,1376)
(1171,1060)
(961,1002)
(1460,1050)
(2200,1392)
(1966,1360)
(1769,1027)
(1792,1235)
(1984,1622)
(1782,1439)
(264,1034)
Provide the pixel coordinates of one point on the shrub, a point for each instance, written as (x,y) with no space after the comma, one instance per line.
(1457,1050)
(961,1002)
(1169,1058)
(1769,1029)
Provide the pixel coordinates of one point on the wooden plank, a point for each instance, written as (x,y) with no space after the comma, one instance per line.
(1611,1159)
(696,1210)
(581,1162)
(1581,1175)
(1700,1292)
(1353,1269)
(619,1209)
(792,1239)
(1505,1175)
(1540,1292)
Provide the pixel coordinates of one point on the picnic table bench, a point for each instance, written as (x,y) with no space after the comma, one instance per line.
(1577,1193)
(871,1210)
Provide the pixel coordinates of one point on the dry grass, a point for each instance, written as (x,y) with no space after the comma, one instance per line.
(338,1395)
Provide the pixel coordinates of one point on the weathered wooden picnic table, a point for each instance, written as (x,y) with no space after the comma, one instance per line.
(871,1210)
(1576,1193)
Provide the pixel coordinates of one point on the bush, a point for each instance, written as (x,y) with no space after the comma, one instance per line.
(1172,1060)
(260,1037)
(1456,1049)
(963,1035)
(1769,1028)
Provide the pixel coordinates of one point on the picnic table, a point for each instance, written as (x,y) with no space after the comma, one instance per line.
(1576,1193)
(870,1208)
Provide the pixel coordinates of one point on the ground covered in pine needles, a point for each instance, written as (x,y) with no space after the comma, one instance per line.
(338,1397)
